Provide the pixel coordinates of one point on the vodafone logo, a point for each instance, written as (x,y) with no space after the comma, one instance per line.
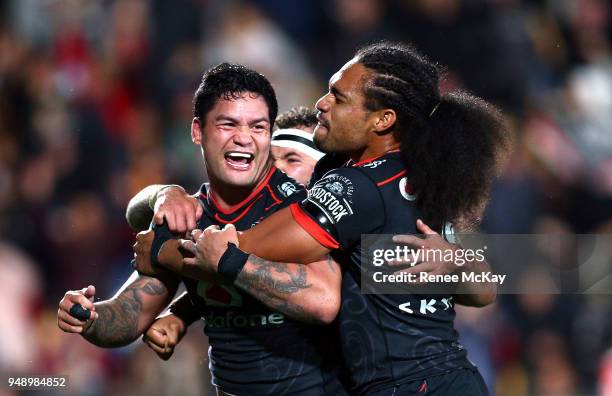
(405,189)
(219,295)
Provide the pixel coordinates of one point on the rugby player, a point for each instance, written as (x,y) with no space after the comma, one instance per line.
(294,153)
(293,149)
(414,154)
(254,350)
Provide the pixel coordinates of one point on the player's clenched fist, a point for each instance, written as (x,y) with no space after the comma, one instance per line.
(164,334)
(180,210)
(142,254)
(65,320)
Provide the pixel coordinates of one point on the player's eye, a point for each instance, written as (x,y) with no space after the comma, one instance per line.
(226,125)
(293,160)
(259,128)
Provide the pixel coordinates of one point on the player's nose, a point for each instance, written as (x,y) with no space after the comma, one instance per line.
(242,136)
(323,103)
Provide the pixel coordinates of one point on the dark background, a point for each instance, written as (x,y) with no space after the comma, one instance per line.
(95,103)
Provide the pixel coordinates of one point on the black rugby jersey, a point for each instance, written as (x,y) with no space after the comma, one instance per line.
(383,344)
(255,350)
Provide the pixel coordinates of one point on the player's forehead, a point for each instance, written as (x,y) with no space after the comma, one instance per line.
(283,152)
(246,108)
(350,77)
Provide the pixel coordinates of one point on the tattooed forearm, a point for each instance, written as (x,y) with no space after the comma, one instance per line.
(272,283)
(117,322)
(294,280)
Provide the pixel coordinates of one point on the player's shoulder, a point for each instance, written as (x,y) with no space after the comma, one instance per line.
(283,186)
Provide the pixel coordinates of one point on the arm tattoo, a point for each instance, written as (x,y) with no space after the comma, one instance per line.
(117,323)
(270,282)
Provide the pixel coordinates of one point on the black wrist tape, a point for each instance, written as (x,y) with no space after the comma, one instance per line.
(232,262)
(162,234)
(184,309)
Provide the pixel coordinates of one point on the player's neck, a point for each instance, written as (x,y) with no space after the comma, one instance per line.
(376,148)
(227,196)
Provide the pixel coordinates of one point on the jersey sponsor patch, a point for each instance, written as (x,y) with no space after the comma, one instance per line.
(333,195)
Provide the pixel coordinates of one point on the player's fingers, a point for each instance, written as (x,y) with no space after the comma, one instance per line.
(212,228)
(173,335)
(189,261)
(191,219)
(181,221)
(230,228)
(199,210)
(158,349)
(171,220)
(69,319)
(188,245)
(401,262)
(159,217)
(196,233)
(157,340)
(156,336)
(424,228)
(411,240)
(90,292)
(69,328)
(77,298)
(423,267)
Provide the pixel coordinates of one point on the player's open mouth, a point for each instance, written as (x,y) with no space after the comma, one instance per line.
(239,160)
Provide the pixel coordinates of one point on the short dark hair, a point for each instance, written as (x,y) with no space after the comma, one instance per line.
(450,143)
(231,81)
(296,117)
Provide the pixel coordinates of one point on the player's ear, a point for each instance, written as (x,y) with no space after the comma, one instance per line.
(384,120)
(196,131)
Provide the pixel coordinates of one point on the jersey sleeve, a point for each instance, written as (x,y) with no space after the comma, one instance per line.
(340,207)
(298,195)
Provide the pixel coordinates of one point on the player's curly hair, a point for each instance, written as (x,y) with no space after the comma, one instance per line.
(230,81)
(450,143)
(296,117)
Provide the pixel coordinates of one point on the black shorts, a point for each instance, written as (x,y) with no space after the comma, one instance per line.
(458,382)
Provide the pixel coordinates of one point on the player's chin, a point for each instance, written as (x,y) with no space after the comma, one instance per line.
(320,133)
(240,178)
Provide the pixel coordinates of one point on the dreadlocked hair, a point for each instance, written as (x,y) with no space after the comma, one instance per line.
(450,143)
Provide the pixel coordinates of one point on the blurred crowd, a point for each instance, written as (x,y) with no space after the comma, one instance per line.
(95,104)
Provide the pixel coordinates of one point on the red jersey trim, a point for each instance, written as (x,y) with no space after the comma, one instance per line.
(312,228)
(389,180)
(274,197)
(248,208)
(236,207)
(365,161)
